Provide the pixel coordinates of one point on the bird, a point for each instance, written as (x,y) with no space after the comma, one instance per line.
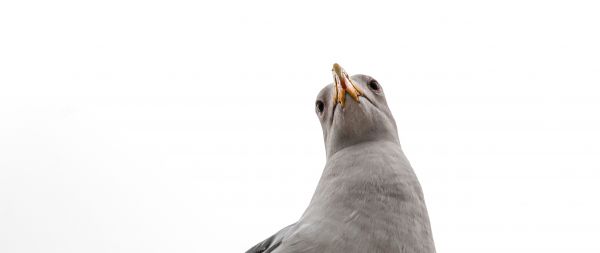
(368,198)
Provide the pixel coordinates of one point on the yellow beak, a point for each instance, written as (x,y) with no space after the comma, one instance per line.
(343,84)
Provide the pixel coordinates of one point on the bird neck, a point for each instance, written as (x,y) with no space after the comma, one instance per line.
(369,184)
(381,167)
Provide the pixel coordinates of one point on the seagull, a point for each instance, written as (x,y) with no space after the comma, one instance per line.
(368,198)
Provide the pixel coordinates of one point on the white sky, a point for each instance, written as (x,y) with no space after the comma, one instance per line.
(186,126)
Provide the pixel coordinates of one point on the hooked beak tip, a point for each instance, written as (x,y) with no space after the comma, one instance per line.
(343,84)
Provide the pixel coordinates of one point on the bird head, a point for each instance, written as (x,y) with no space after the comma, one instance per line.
(353,110)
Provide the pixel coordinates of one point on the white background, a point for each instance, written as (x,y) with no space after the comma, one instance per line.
(149,126)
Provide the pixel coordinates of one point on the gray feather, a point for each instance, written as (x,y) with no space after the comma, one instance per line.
(270,243)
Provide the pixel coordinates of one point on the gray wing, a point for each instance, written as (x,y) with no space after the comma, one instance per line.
(272,242)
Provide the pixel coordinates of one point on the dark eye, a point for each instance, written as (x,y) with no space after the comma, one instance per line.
(320,106)
(374,85)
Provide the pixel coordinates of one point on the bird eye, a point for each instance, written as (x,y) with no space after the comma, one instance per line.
(374,85)
(320,106)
